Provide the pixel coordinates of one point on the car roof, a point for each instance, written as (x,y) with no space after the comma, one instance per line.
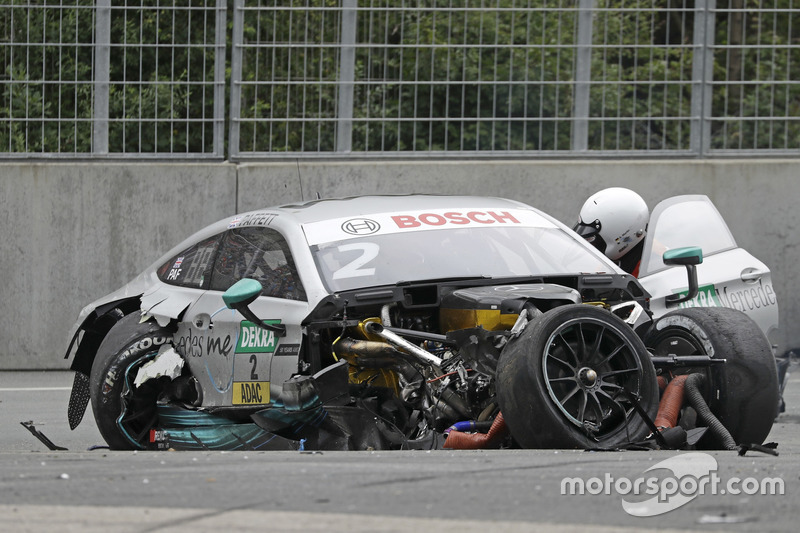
(290,218)
(320,210)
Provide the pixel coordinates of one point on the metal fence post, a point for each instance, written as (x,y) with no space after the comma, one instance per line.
(102,67)
(583,77)
(220,32)
(347,72)
(237,40)
(702,76)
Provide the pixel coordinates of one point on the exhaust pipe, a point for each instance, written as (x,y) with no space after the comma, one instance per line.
(398,341)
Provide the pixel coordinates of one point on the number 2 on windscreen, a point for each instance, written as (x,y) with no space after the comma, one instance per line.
(354,268)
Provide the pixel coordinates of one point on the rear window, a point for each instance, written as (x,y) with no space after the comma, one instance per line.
(191,267)
(261,254)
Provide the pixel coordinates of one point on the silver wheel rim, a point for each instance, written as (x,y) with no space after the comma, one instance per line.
(586,365)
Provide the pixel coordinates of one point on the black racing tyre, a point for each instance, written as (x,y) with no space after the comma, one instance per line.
(743,393)
(560,382)
(125,414)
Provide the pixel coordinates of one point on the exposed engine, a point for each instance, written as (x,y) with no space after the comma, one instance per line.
(427,368)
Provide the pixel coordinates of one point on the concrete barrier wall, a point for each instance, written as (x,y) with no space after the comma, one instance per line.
(74,232)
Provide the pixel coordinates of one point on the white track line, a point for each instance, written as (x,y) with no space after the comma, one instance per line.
(101,519)
(33,389)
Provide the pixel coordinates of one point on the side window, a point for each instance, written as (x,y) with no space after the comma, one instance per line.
(191,267)
(258,253)
(684,221)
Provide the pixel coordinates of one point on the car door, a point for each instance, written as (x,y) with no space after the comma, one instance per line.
(234,360)
(728,277)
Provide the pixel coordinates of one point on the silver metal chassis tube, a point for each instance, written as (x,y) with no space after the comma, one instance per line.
(400,342)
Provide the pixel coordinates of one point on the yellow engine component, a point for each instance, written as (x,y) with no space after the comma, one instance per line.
(497,307)
(363,356)
(489,319)
(377,377)
(478,307)
(362,330)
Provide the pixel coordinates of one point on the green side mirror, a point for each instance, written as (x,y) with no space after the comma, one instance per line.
(243,292)
(689,255)
(241,295)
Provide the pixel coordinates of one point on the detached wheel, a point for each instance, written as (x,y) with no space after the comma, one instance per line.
(743,393)
(560,383)
(125,414)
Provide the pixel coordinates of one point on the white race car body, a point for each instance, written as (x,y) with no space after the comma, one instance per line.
(400,323)
(728,276)
(332,245)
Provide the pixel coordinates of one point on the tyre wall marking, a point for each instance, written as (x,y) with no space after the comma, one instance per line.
(689,325)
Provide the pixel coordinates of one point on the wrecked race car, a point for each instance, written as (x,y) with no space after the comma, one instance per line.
(410,322)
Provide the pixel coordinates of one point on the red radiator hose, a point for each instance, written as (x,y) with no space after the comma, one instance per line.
(457,440)
(671,402)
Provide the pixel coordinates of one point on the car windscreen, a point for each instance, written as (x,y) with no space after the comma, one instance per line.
(495,252)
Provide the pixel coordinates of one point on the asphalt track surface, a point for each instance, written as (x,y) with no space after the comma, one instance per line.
(514,490)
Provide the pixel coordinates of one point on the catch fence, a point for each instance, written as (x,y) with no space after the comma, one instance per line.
(265,79)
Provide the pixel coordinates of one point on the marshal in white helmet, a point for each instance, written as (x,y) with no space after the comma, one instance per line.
(615,221)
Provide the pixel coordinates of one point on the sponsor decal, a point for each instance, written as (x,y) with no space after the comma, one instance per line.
(160,439)
(108,384)
(192,345)
(250,392)
(431,219)
(748,298)
(706,297)
(454,218)
(252,219)
(144,344)
(360,226)
(176,269)
(253,339)
(288,349)
(743,299)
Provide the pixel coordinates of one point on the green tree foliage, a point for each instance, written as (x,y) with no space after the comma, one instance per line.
(642,75)
(465,76)
(290,72)
(161,76)
(473,75)
(759,108)
(162,73)
(457,76)
(45,103)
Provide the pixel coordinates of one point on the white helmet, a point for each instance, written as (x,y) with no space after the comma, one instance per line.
(614,220)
